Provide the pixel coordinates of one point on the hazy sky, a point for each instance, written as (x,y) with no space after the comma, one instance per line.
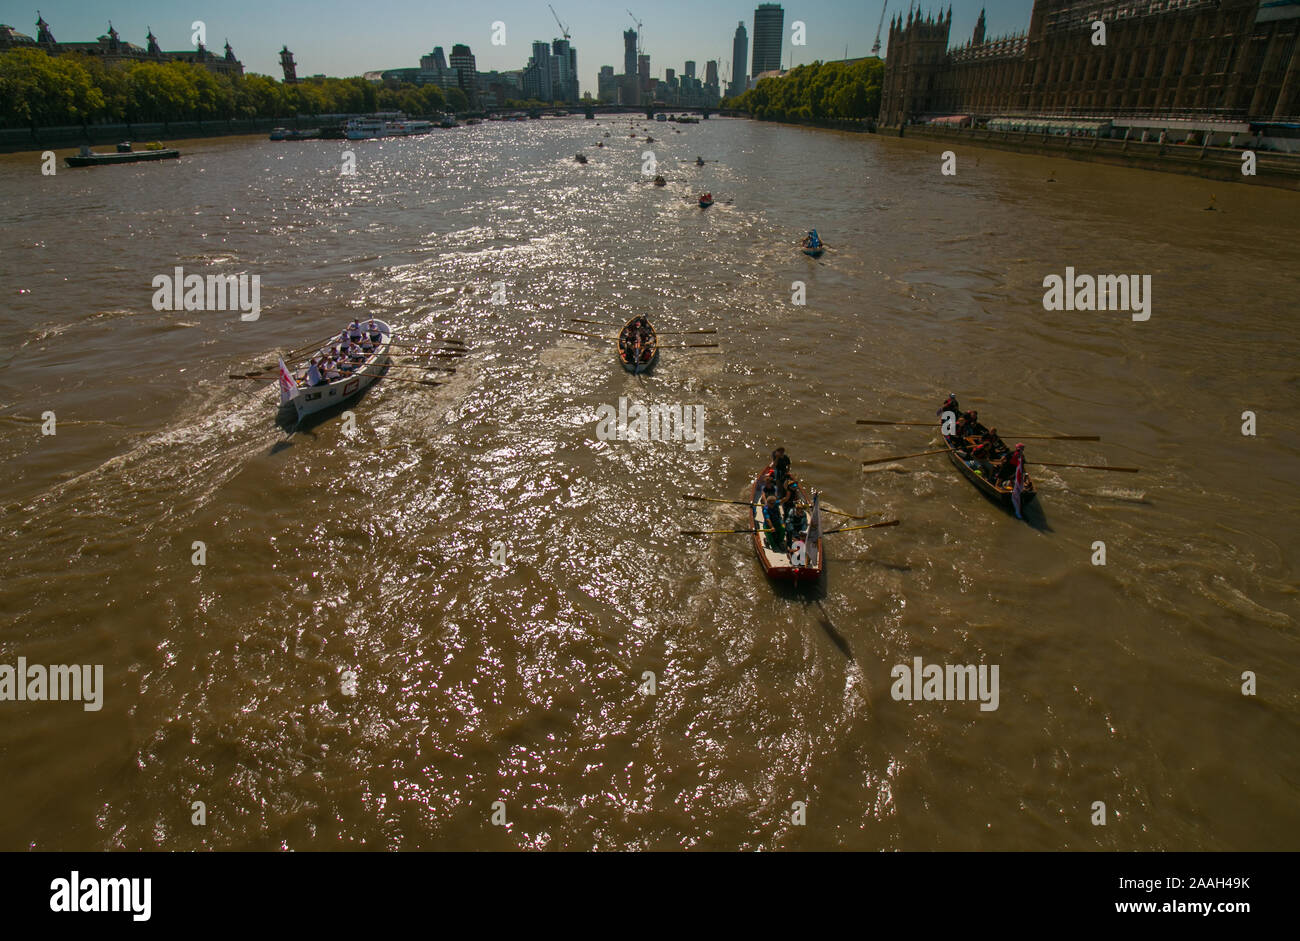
(347,37)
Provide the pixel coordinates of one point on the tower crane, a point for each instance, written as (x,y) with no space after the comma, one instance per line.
(876,47)
(563,29)
(638,30)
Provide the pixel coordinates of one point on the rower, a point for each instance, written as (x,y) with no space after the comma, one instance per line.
(792,494)
(772,521)
(950,405)
(367,345)
(329,369)
(375,333)
(1007,469)
(354,331)
(796,525)
(314,378)
(780,465)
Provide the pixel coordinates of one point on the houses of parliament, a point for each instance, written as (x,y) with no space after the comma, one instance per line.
(1218,60)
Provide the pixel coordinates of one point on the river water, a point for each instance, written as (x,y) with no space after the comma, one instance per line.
(367,556)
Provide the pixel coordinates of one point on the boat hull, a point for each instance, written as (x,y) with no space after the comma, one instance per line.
(135,156)
(986,486)
(813,252)
(311,399)
(779,566)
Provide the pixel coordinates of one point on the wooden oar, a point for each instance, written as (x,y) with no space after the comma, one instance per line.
(849,529)
(423,382)
(667,333)
(691,496)
(590,336)
(716,532)
(903,457)
(419,366)
(873,421)
(690,346)
(826,509)
(1004,435)
(599,323)
(1101,467)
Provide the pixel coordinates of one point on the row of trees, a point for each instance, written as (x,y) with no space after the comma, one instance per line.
(40,90)
(822,91)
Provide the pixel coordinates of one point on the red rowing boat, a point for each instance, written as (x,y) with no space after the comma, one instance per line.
(805,561)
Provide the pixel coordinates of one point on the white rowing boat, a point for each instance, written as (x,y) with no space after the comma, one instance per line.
(310,399)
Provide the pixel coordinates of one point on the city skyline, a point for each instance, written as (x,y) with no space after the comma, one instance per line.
(399,32)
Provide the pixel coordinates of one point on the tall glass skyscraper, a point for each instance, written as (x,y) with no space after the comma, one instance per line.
(769,20)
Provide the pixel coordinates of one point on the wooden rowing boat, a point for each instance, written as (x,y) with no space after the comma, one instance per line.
(649,350)
(812,251)
(309,399)
(706,201)
(973,472)
(806,560)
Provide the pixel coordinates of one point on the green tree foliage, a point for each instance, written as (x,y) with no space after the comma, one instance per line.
(38,90)
(822,91)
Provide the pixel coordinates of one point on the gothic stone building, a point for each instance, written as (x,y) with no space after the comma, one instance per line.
(111,50)
(1211,59)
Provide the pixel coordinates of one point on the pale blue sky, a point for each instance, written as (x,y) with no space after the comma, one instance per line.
(345,37)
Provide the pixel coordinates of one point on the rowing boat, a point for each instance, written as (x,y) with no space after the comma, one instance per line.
(706,200)
(812,251)
(806,560)
(649,350)
(975,473)
(310,399)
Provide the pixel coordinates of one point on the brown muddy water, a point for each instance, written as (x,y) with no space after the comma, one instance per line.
(368,556)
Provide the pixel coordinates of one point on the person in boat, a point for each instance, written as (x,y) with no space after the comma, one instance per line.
(769,487)
(982,456)
(355,353)
(354,331)
(1006,471)
(790,498)
(329,369)
(780,466)
(314,377)
(773,522)
(367,345)
(950,405)
(374,332)
(796,526)
(811,240)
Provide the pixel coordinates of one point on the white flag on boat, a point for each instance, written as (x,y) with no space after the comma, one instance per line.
(813,539)
(288,385)
(1019,488)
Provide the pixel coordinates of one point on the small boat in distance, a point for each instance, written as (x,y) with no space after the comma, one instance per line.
(699,161)
(581,158)
(284,133)
(124,154)
(706,200)
(638,346)
(812,245)
(660,181)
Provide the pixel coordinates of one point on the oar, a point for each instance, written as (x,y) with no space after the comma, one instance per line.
(690,346)
(847,516)
(902,457)
(419,366)
(1101,467)
(930,424)
(1051,437)
(849,529)
(715,532)
(428,346)
(667,333)
(599,323)
(433,336)
(714,499)
(873,421)
(590,336)
(423,382)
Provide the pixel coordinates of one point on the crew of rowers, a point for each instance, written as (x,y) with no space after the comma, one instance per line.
(345,355)
(636,342)
(988,453)
(784,517)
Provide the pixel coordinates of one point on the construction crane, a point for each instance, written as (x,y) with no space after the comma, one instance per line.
(563,29)
(876,48)
(638,30)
